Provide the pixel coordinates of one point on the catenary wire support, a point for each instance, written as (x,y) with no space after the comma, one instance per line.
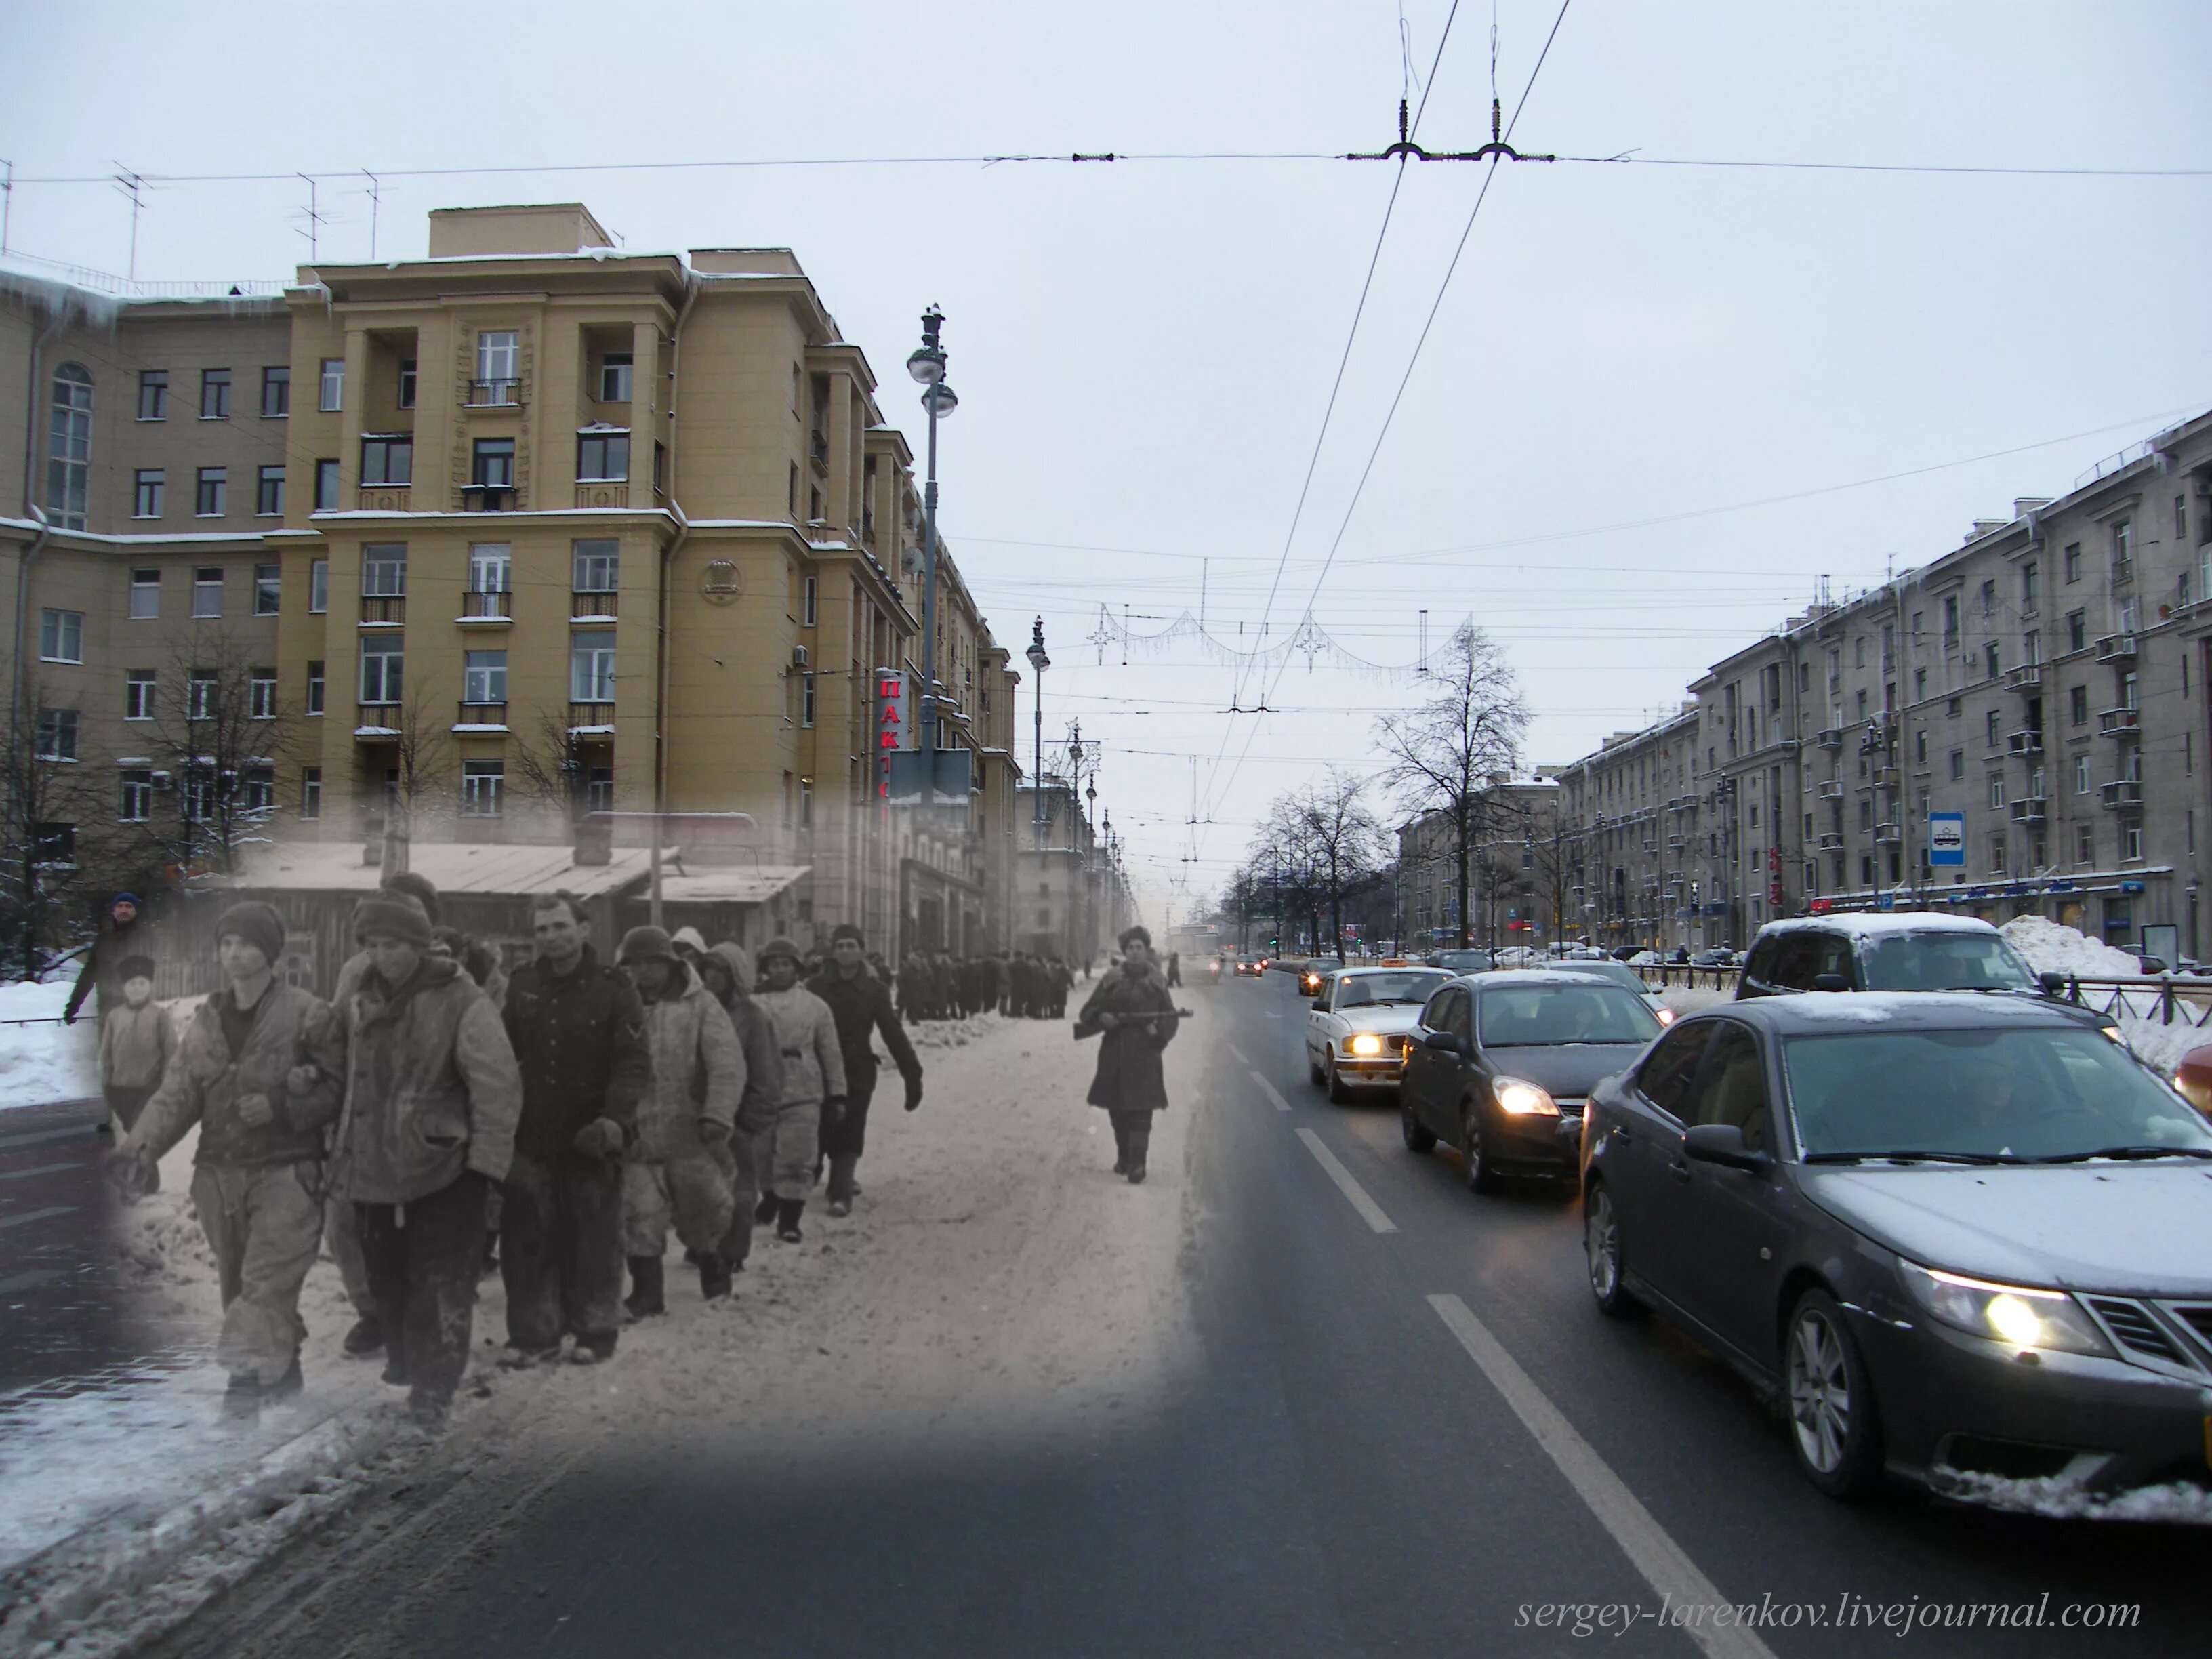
(1406,150)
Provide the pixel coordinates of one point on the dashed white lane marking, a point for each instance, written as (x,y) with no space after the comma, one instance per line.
(1281,1105)
(43,1169)
(1369,1210)
(1242,1059)
(29,1216)
(1641,1539)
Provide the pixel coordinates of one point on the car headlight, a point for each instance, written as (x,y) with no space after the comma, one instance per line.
(1366,1045)
(2012,1314)
(1666,1016)
(1518,1098)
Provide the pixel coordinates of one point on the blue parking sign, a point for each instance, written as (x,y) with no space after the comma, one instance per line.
(1946,838)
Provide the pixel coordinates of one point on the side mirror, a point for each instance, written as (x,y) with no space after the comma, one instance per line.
(1722,1144)
(1831,983)
(2054,985)
(1321,1005)
(1443,1043)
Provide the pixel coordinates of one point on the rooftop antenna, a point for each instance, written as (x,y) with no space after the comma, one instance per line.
(375,200)
(313,232)
(1421,666)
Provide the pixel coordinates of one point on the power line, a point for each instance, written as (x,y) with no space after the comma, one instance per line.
(1631,158)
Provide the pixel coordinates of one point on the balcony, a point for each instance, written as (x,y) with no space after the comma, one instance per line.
(1887,834)
(481,717)
(382,498)
(603,492)
(376,722)
(2124,791)
(592,717)
(495,394)
(2027,676)
(2116,647)
(817,452)
(383,610)
(479,608)
(592,607)
(2029,742)
(1884,777)
(1830,739)
(2122,723)
(1830,789)
(1677,844)
(488,497)
(2029,809)
(1832,841)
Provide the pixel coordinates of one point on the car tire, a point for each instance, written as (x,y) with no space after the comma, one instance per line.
(1482,1176)
(1603,1253)
(1835,1426)
(1338,1090)
(1313,1068)
(1419,1138)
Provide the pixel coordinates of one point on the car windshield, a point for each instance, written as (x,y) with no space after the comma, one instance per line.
(1618,973)
(1366,990)
(1932,961)
(1530,1015)
(1978,1095)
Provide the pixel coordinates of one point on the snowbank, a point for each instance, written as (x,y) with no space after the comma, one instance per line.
(41,1064)
(1685,1000)
(2051,947)
(2060,1500)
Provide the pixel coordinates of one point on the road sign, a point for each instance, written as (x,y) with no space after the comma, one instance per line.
(1946,838)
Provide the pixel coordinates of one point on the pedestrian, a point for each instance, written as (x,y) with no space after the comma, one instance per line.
(729,976)
(861,1008)
(1132,1009)
(433,1094)
(679,1169)
(136,1041)
(813,1089)
(1174,969)
(258,1072)
(578,1032)
(101,976)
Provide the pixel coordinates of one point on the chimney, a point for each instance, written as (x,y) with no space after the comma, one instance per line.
(2024,505)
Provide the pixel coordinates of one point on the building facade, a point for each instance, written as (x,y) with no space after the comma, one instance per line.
(1517,851)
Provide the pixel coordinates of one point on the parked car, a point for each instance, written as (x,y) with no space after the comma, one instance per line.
(1717,957)
(1502,1062)
(1899,951)
(1958,1234)
(1620,973)
(1360,1023)
(1460,961)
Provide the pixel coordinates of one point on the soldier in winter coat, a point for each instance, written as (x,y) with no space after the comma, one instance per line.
(1132,1009)
(813,1089)
(728,975)
(257,1071)
(433,1095)
(861,1007)
(681,1166)
(136,1042)
(578,1031)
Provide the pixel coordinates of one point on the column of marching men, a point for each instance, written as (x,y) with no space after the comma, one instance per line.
(436,1117)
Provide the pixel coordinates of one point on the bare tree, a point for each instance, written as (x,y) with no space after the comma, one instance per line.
(51,812)
(1445,752)
(1340,841)
(548,767)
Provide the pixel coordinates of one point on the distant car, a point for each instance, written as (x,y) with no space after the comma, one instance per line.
(1249,968)
(1885,950)
(1214,967)
(1718,956)
(1310,977)
(1359,1027)
(1620,973)
(1645,959)
(1461,961)
(1501,1063)
(1957,1234)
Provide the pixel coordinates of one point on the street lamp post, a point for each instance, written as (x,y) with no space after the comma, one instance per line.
(1038,663)
(926,365)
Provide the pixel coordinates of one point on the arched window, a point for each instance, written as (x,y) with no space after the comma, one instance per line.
(69,457)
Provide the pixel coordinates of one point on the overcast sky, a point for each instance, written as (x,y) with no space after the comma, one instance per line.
(1144,349)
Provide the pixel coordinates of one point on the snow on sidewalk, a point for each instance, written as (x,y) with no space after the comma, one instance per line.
(41,1063)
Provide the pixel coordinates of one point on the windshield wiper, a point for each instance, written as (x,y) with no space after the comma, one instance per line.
(1912,1157)
(2125,1152)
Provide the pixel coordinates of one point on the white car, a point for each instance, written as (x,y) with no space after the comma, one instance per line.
(1361,1024)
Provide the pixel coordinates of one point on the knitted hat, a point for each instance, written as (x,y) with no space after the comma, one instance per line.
(689,938)
(133,968)
(258,925)
(646,944)
(123,899)
(417,887)
(391,915)
(846,930)
(778,947)
(741,965)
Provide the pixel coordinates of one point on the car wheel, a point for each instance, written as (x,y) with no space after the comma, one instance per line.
(1337,1090)
(1313,1068)
(1602,1248)
(1482,1176)
(1419,1138)
(1834,1427)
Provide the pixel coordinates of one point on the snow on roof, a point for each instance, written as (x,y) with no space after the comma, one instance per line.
(732,884)
(1876,924)
(336,866)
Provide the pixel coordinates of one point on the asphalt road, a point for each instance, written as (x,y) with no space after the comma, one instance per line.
(1407,1433)
(58,1301)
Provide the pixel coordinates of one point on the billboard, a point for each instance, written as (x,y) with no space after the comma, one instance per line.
(894,718)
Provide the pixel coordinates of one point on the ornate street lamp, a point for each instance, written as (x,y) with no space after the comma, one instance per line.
(926,365)
(1038,663)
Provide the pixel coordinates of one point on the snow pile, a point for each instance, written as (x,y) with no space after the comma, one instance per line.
(2060,1500)
(1683,999)
(950,1033)
(2163,1046)
(41,1064)
(2051,947)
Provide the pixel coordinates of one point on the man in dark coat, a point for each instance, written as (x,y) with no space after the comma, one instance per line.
(578,1031)
(103,963)
(1132,1009)
(862,1008)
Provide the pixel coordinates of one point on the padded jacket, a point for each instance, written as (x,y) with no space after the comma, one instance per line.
(204,1081)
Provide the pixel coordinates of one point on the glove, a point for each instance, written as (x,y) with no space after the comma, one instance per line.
(713,1133)
(132,1171)
(833,1110)
(602,1137)
(914,1091)
(69,1018)
(255,1111)
(301,1078)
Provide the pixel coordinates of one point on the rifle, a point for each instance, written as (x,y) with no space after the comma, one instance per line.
(1084,1028)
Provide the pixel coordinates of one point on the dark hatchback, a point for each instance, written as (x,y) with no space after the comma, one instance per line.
(1501,1063)
(1962,1237)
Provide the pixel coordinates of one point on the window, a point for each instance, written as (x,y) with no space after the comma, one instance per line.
(483,677)
(384,570)
(214,394)
(1665,1077)
(659,468)
(806,803)
(138,694)
(601,455)
(406,392)
(2030,584)
(2031,645)
(330,388)
(387,459)
(1990,723)
(319,586)
(56,738)
(600,789)
(311,792)
(268,589)
(149,485)
(269,493)
(794,388)
(68,453)
(1957,764)
(614,378)
(60,636)
(135,797)
(1990,661)
(592,666)
(492,464)
(498,371)
(1990,598)
(2123,544)
(145,595)
(1919,684)
(195,803)
(482,783)
(2131,839)
(2181,517)
(1920,748)
(597,567)
(261,691)
(314,702)
(806,700)
(152,394)
(809,602)
(791,504)
(260,788)
(383,656)
(276,394)
(2081,784)
(1997,792)
(202,695)
(2077,705)
(208,502)
(1996,855)
(54,845)
(2085,844)
(1863,703)
(1858,652)
(1950,619)
(2071,561)
(207,591)
(490,567)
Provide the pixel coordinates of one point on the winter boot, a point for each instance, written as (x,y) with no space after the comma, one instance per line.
(591,1351)
(365,1339)
(242,1399)
(714,1278)
(291,1382)
(1137,1174)
(841,1185)
(764,1211)
(787,1220)
(646,1297)
(429,1411)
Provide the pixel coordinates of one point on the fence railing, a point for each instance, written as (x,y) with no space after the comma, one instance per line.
(2166,998)
(1690,976)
